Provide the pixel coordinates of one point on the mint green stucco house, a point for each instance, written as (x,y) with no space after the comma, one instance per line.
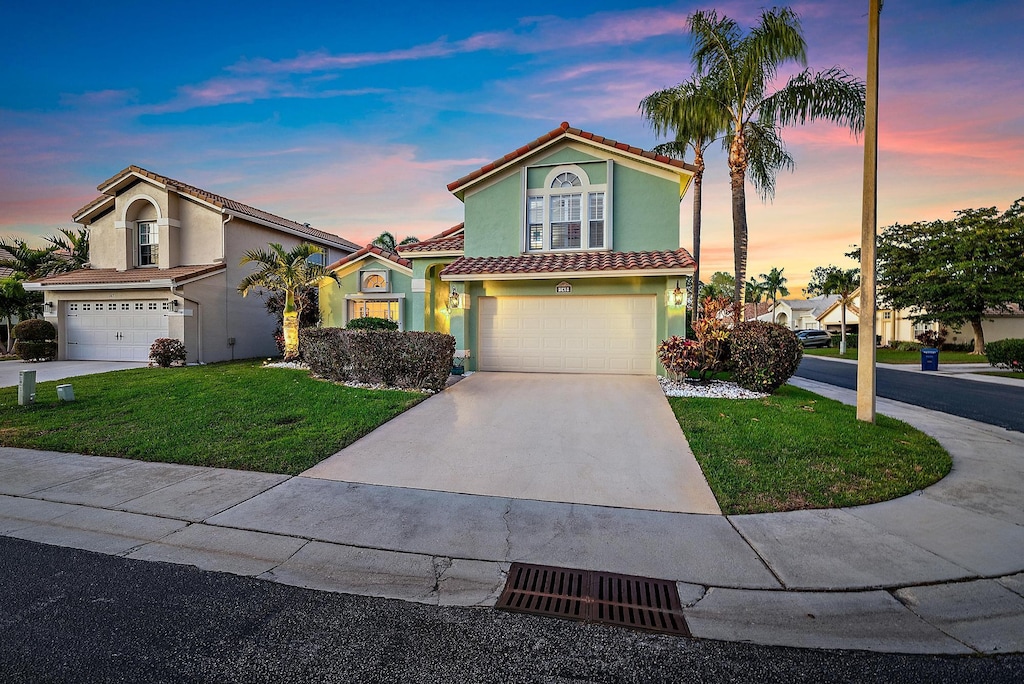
(570,260)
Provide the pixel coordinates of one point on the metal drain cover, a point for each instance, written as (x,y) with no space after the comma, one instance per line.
(599,597)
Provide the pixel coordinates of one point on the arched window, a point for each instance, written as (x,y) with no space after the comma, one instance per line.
(568,213)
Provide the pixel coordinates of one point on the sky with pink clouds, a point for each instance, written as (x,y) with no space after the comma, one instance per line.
(354,116)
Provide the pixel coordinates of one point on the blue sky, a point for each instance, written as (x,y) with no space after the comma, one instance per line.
(354,116)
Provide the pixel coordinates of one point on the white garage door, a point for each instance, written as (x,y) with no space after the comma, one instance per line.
(113,331)
(568,334)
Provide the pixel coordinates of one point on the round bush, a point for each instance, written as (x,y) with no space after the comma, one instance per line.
(35,340)
(371,323)
(166,351)
(1008,353)
(35,330)
(763,355)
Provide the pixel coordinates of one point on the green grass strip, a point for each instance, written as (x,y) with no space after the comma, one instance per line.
(231,415)
(893,356)
(797,450)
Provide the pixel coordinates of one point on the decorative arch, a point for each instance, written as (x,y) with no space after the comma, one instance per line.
(567,213)
(133,209)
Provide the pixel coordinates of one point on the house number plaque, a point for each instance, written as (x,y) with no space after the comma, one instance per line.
(563,288)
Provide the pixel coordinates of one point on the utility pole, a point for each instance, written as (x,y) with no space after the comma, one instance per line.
(869,224)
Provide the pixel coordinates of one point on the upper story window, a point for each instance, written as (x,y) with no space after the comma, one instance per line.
(568,213)
(148,243)
(373,281)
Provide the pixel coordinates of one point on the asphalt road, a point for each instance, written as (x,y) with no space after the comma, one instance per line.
(996,404)
(75,616)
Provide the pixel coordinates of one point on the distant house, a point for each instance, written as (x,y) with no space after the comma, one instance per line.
(570,260)
(801,314)
(164,262)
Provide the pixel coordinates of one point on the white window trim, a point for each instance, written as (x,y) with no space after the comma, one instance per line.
(585,189)
(155,232)
(382,272)
(378,297)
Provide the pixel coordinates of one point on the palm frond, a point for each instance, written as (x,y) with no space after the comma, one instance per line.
(767,156)
(831,95)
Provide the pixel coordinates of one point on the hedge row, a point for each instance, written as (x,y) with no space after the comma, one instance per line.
(417,360)
(1008,353)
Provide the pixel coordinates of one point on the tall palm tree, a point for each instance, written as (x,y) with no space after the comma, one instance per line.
(740,70)
(774,284)
(287,272)
(754,291)
(386,241)
(832,280)
(70,254)
(662,110)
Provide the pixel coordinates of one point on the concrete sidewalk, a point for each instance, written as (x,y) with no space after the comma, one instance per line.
(940,571)
(47,371)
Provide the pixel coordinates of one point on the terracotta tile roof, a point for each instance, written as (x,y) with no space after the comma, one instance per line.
(451,240)
(566,130)
(220,202)
(570,262)
(5,272)
(100,276)
(371,249)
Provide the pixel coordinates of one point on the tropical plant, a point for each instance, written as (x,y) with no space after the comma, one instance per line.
(70,252)
(739,71)
(953,272)
(763,355)
(754,291)
(719,286)
(26,262)
(16,302)
(662,110)
(774,284)
(166,351)
(832,280)
(386,241)
(288,272)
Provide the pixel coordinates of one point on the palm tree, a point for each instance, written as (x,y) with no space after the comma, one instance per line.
(386,241)
(71,252)
(774,284)
(662,110)
(739,71)
(27,262)
(832,280)
(15,302)
(753,292)
(288,272)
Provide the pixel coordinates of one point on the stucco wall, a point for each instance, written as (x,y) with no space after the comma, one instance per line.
(333,304)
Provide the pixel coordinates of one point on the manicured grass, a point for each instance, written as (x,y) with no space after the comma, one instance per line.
(1005,374)
(232,415)
(798,450)
(893,356)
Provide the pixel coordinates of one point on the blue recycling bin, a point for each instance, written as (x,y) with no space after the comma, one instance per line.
(929,359)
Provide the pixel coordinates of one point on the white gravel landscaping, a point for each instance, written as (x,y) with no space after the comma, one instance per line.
(713,389)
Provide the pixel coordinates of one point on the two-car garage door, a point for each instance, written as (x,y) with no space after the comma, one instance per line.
(571,334)
(113,331)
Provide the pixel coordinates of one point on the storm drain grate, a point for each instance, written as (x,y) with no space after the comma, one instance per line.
(601,597)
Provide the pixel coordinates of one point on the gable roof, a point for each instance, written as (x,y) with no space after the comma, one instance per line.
(451,240)
(110,187)
(6,272)
(570,264)
(568,132)
(370,250)
(837,303)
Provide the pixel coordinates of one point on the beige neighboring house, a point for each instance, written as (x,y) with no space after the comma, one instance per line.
(800,314)
(896,326)
(164,262)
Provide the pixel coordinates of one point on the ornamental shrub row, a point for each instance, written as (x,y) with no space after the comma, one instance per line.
(1007,353)
(412,359)
(36,340)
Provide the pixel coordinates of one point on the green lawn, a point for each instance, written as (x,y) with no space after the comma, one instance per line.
(893,356)
(1005,374)
(798,450)
(232,415)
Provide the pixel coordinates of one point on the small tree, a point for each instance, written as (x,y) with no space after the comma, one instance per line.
(774,284)
(832,280)
(754,292)
(16,302)
(288,273)
(952,272)
(70,252)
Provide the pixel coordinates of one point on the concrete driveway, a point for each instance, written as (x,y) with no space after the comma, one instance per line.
(58,370)
(589,439)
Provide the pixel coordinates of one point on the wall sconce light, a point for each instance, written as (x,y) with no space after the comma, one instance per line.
(677,295)
(49,307)
(175,304)
(454,300)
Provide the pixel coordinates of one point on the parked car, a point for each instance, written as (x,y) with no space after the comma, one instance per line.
(814,338)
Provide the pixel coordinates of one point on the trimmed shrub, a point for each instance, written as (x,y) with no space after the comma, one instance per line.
(1007,353)
(903,345)
(958,347)
(36,340)
(763,355)
(417,360)
(167,351)
(371,323)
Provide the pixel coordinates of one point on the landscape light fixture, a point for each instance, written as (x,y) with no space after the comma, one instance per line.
(453,299)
